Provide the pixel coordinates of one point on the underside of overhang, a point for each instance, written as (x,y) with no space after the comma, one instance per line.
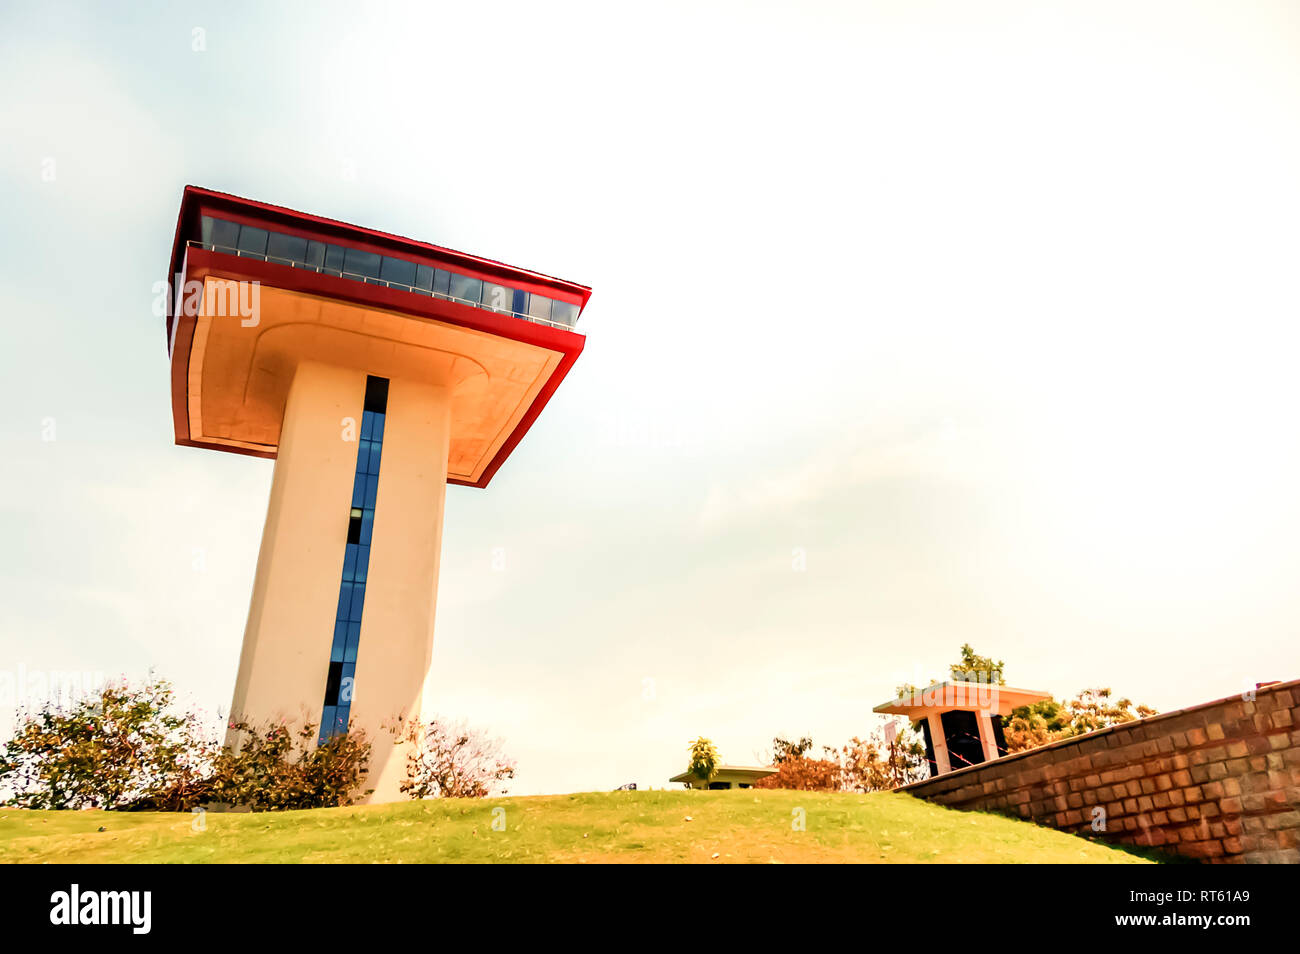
(236,370)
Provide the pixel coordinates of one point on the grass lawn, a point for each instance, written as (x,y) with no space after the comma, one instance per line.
(670,826)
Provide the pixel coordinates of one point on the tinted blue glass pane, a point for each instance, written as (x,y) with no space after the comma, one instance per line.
(358,601)
(327,720)
(372,490)
(397,270)
(334,258)
(424,277)
(520,306)
(252,239)
(367,522)
(377,429)
(441,282)
(564,313)
(367,425)
(354,640)
(291,247)
(225,234)
(336,651)
(315,254)
(341,717)
(497,297)
(374,457)
(350,562)
(361,263)
(363,563)
(539,307)
(466,288)
(363,451)
(345,601)
(359,489)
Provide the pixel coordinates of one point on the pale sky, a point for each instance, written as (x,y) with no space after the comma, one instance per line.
(989,310)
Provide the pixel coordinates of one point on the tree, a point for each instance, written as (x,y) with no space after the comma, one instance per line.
(880,762)
(704,759)
(451,760)
(105,750)
(975,668)
(783,749)
(970,667)
(1029,727)
(1092,709)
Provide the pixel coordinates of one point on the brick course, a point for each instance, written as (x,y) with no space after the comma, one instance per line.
(1218,782)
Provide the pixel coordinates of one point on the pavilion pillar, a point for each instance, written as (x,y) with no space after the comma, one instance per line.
(940,743)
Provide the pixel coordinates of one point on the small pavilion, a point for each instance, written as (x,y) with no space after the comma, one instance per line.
(961,721)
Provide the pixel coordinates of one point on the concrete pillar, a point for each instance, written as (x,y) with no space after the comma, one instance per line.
(285,657)
(284,662)
(989,741)
(940,743)
(396,647)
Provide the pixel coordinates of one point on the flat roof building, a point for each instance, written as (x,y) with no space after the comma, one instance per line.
(727,776)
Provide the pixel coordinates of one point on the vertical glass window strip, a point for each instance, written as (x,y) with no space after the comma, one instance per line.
(356,561)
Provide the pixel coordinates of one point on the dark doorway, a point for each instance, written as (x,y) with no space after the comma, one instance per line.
(961,731)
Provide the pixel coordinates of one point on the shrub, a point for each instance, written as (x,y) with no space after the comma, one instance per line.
(275,769)
(874,764)
(1048,720)
(127,748)
(805,775)
(450,760)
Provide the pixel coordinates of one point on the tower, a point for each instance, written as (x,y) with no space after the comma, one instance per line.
(374,370)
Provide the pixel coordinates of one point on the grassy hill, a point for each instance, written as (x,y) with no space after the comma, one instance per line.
(674,826)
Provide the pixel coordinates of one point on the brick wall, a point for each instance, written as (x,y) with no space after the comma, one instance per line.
(1217,782)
